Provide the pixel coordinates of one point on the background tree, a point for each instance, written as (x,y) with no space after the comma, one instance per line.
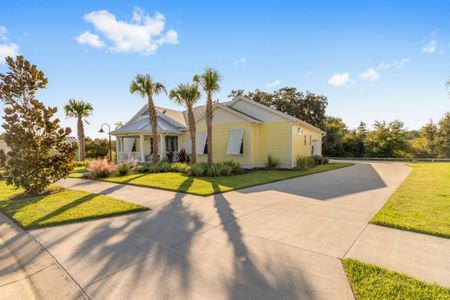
(79,110)
(333,144)
(187,95)
(96,148)
(307,106)
(210,82)
(387,140)
(425,143)
(444,136)
(144,86)
(354,141)
(39,152)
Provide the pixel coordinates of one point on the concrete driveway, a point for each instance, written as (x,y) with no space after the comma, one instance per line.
(280,240)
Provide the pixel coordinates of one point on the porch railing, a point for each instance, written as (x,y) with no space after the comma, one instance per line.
(124,156)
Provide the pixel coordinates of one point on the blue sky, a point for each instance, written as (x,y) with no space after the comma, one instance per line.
(374,60)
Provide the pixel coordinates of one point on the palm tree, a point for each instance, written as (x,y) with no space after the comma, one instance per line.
(188,95)
(209,81)
(144,86)
(79,110)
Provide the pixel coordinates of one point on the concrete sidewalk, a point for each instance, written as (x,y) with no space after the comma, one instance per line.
(28,271)
(422,256)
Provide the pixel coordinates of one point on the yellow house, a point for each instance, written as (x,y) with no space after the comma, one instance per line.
(243,130)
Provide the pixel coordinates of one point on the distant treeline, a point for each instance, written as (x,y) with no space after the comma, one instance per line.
(387,140)
(384,140)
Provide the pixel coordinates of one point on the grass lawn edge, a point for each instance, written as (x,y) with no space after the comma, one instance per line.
(382,274)
(83,219)
(338,166)
(103,206)
(410,229)
(381,218)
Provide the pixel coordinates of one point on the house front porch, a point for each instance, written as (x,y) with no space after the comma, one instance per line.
(140,147)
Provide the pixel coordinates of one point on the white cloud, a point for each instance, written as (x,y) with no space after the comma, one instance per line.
(432,46)
(241,60)
(401,62)
(3,33)
(144,34)
(90,39)
(273,83)
(339,79)
(370,74)
(6,48)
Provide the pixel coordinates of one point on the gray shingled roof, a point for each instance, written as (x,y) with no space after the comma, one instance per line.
(143,125)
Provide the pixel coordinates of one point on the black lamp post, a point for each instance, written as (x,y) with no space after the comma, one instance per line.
(109,135)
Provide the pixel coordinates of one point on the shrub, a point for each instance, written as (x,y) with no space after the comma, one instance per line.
(182,157)
(303,163)
(198,169)
(164,166)
(101,168)
(224,169)
(79,163)
(169,155)
(272,162)
(212,170)
(325,161)
(143,168)
(153,168)
(123,169)
(235,166)
(318,159)
(181,167)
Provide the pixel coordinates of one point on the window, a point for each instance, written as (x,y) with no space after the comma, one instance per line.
(236,141)
(172,143)
(151,145)
(133,149)
(201,143)
(310,140)
(205,150)
(305,139)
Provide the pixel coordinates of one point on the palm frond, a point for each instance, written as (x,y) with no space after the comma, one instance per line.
(75,109)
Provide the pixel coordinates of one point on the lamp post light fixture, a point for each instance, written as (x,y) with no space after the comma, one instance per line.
(109,135)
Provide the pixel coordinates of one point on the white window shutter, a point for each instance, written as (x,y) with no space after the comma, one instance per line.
(188,144)
(235,141)
(200,142)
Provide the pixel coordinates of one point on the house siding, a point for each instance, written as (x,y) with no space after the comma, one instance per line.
(298,141)
(274,139)
(221,133)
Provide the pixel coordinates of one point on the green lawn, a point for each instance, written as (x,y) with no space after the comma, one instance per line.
(421,203)
(205,186)
(61,207)
(372,282)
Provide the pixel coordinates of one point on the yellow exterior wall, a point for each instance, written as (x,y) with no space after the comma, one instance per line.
(298,141)
(221,133)
(274,139)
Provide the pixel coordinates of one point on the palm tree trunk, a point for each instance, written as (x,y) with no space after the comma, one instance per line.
(80,132)
(154,124)
(193,130)
(209,120)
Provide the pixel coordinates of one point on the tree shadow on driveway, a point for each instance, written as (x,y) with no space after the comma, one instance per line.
(156,254)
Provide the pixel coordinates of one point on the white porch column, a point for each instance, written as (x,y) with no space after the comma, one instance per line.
(141,146)
(162,146)
(117,149)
